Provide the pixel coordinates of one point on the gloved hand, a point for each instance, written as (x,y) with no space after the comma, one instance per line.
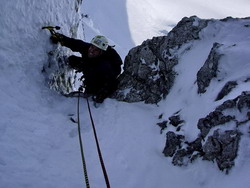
(57,37)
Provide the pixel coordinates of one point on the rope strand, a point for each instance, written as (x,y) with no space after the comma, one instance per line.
(98,148)
(81,145)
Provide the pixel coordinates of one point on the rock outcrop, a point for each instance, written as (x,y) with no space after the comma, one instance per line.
(209,70)
(219,137)
(149,74)
(148,69)
(228,87)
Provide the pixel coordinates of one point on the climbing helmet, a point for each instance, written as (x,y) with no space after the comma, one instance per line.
(100,42)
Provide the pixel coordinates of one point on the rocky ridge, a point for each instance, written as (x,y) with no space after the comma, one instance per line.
(148,69)
(149,75)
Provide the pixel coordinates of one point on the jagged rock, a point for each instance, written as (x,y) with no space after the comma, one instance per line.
(162,125)
(190,153)
(213,119)
(148,69)
(239,102)
(175,120)
(222,147)
(209,70)
(186,30)
(243,101)
(173,142)
(179,157)
(212,148)
(226,89)
(226,105)
(195,145)
(160,116)
(145,77)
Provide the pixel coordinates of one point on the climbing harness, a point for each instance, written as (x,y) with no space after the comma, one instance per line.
(97,144)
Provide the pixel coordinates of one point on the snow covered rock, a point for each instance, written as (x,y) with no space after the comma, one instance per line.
(229,86)
(149,72)
(222,147)
(213,119)
(175,120)
(209,70)
(148,69)
(172,144)
(219,137)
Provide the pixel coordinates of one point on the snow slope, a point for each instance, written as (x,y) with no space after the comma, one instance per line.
(153,18)
(39,144)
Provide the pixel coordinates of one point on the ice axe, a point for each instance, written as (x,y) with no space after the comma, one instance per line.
(52,29)
(55,37)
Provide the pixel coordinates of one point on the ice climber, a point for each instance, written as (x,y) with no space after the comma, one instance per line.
(99,63)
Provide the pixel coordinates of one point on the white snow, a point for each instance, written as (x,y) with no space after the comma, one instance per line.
(149,18)
(39,144)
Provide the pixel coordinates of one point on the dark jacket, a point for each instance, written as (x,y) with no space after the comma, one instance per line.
(100,73)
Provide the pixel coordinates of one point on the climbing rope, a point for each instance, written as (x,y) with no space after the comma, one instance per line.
(98,148)
(81,145)
(97,145)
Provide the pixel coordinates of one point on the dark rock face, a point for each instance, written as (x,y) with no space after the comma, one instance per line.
(209,69)
(219,136)
(222,147)
(145,76)
(148,69)
(243,101)
(226,89)
(213,119)
(162,125)
(175,120)
(172,144)
(240,102)
(185,154)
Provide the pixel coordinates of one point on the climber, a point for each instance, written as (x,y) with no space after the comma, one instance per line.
(100,64)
